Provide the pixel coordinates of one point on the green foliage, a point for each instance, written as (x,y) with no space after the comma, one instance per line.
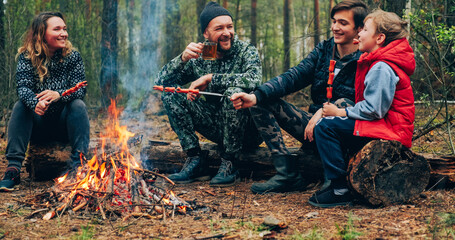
(253,227)
(87,233)
(433,40)
(2,233)
(348,231)
(442,226)
(314,234)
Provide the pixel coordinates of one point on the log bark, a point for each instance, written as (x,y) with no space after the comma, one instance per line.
(47,161)
(168,157)
(385,172)
(442,171)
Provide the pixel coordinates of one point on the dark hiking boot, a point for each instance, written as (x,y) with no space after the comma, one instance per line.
(12,177)
(328,198)
(227,175)
(194,169)
(287,178)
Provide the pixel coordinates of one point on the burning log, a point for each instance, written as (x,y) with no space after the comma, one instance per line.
(112,181)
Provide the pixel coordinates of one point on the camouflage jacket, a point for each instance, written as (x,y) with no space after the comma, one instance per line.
(240,67)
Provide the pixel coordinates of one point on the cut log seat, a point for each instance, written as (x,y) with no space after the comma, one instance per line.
(385,172)
(45,161)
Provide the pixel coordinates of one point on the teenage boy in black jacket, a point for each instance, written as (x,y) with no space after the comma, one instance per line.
(270,113)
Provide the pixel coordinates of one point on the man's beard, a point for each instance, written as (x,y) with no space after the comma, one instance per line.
(219,49)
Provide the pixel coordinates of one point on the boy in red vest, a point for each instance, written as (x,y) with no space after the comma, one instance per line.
(384,106)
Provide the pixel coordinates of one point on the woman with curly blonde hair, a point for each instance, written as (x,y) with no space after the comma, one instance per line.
(47,65)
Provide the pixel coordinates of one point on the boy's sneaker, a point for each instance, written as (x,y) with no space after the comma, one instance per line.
(327,198)
(12,177)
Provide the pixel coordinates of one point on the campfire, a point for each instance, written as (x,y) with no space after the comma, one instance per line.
(112,183)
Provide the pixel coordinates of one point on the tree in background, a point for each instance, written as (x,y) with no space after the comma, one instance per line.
(253,22)
(286,41)
(109,51)
(2,37)
(316,22)
(129,4)
(173,37)
(200,4)
(433,43)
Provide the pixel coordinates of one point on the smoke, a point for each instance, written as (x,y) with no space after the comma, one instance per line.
(140,25)
(139,67)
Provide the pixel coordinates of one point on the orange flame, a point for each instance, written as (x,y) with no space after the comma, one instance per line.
(111,170)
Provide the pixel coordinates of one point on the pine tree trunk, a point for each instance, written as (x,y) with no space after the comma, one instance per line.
(253,22)
(130,23)
(109,52)
(286,36)
(172,19)
(200,4)
(2,40)
(396,6)
(316,22)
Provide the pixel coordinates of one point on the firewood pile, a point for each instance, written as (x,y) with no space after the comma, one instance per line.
(111,184)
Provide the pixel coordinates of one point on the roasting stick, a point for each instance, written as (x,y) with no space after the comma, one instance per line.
(71,90)
(332,74)
(185,90)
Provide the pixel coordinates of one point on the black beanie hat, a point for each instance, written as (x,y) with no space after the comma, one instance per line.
(211,11)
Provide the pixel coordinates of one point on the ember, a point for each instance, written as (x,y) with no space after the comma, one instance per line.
(112,181)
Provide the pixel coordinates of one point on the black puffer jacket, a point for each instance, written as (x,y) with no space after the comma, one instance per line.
(314,71)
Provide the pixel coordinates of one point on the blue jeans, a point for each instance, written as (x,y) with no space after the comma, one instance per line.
(335,141)
(72,124)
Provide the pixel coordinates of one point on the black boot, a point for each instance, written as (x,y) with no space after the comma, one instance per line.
(227,175)
(194,169)
(287,178)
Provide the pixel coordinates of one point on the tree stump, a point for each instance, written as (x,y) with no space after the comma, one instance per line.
(45,161)
(385,172)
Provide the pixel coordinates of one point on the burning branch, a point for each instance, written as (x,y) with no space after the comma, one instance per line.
(112,181)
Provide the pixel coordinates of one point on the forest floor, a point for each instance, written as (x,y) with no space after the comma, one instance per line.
(235,212)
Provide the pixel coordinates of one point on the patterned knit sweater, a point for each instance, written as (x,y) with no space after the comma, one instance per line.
(63,73)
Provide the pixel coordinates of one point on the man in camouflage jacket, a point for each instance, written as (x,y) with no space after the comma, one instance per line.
(270,113)
(237,68)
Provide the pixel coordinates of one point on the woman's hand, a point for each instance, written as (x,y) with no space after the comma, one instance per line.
(41,107)
(48,95)
(243,100)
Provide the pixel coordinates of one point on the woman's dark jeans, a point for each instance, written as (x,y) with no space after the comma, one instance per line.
(72,125)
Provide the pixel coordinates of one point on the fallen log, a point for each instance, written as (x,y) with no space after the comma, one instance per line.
(256,163)
(384,172)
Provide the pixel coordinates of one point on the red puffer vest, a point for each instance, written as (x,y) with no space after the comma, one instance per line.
(398,123)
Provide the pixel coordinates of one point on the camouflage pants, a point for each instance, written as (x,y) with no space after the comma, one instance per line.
(217,120)
(270,117)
